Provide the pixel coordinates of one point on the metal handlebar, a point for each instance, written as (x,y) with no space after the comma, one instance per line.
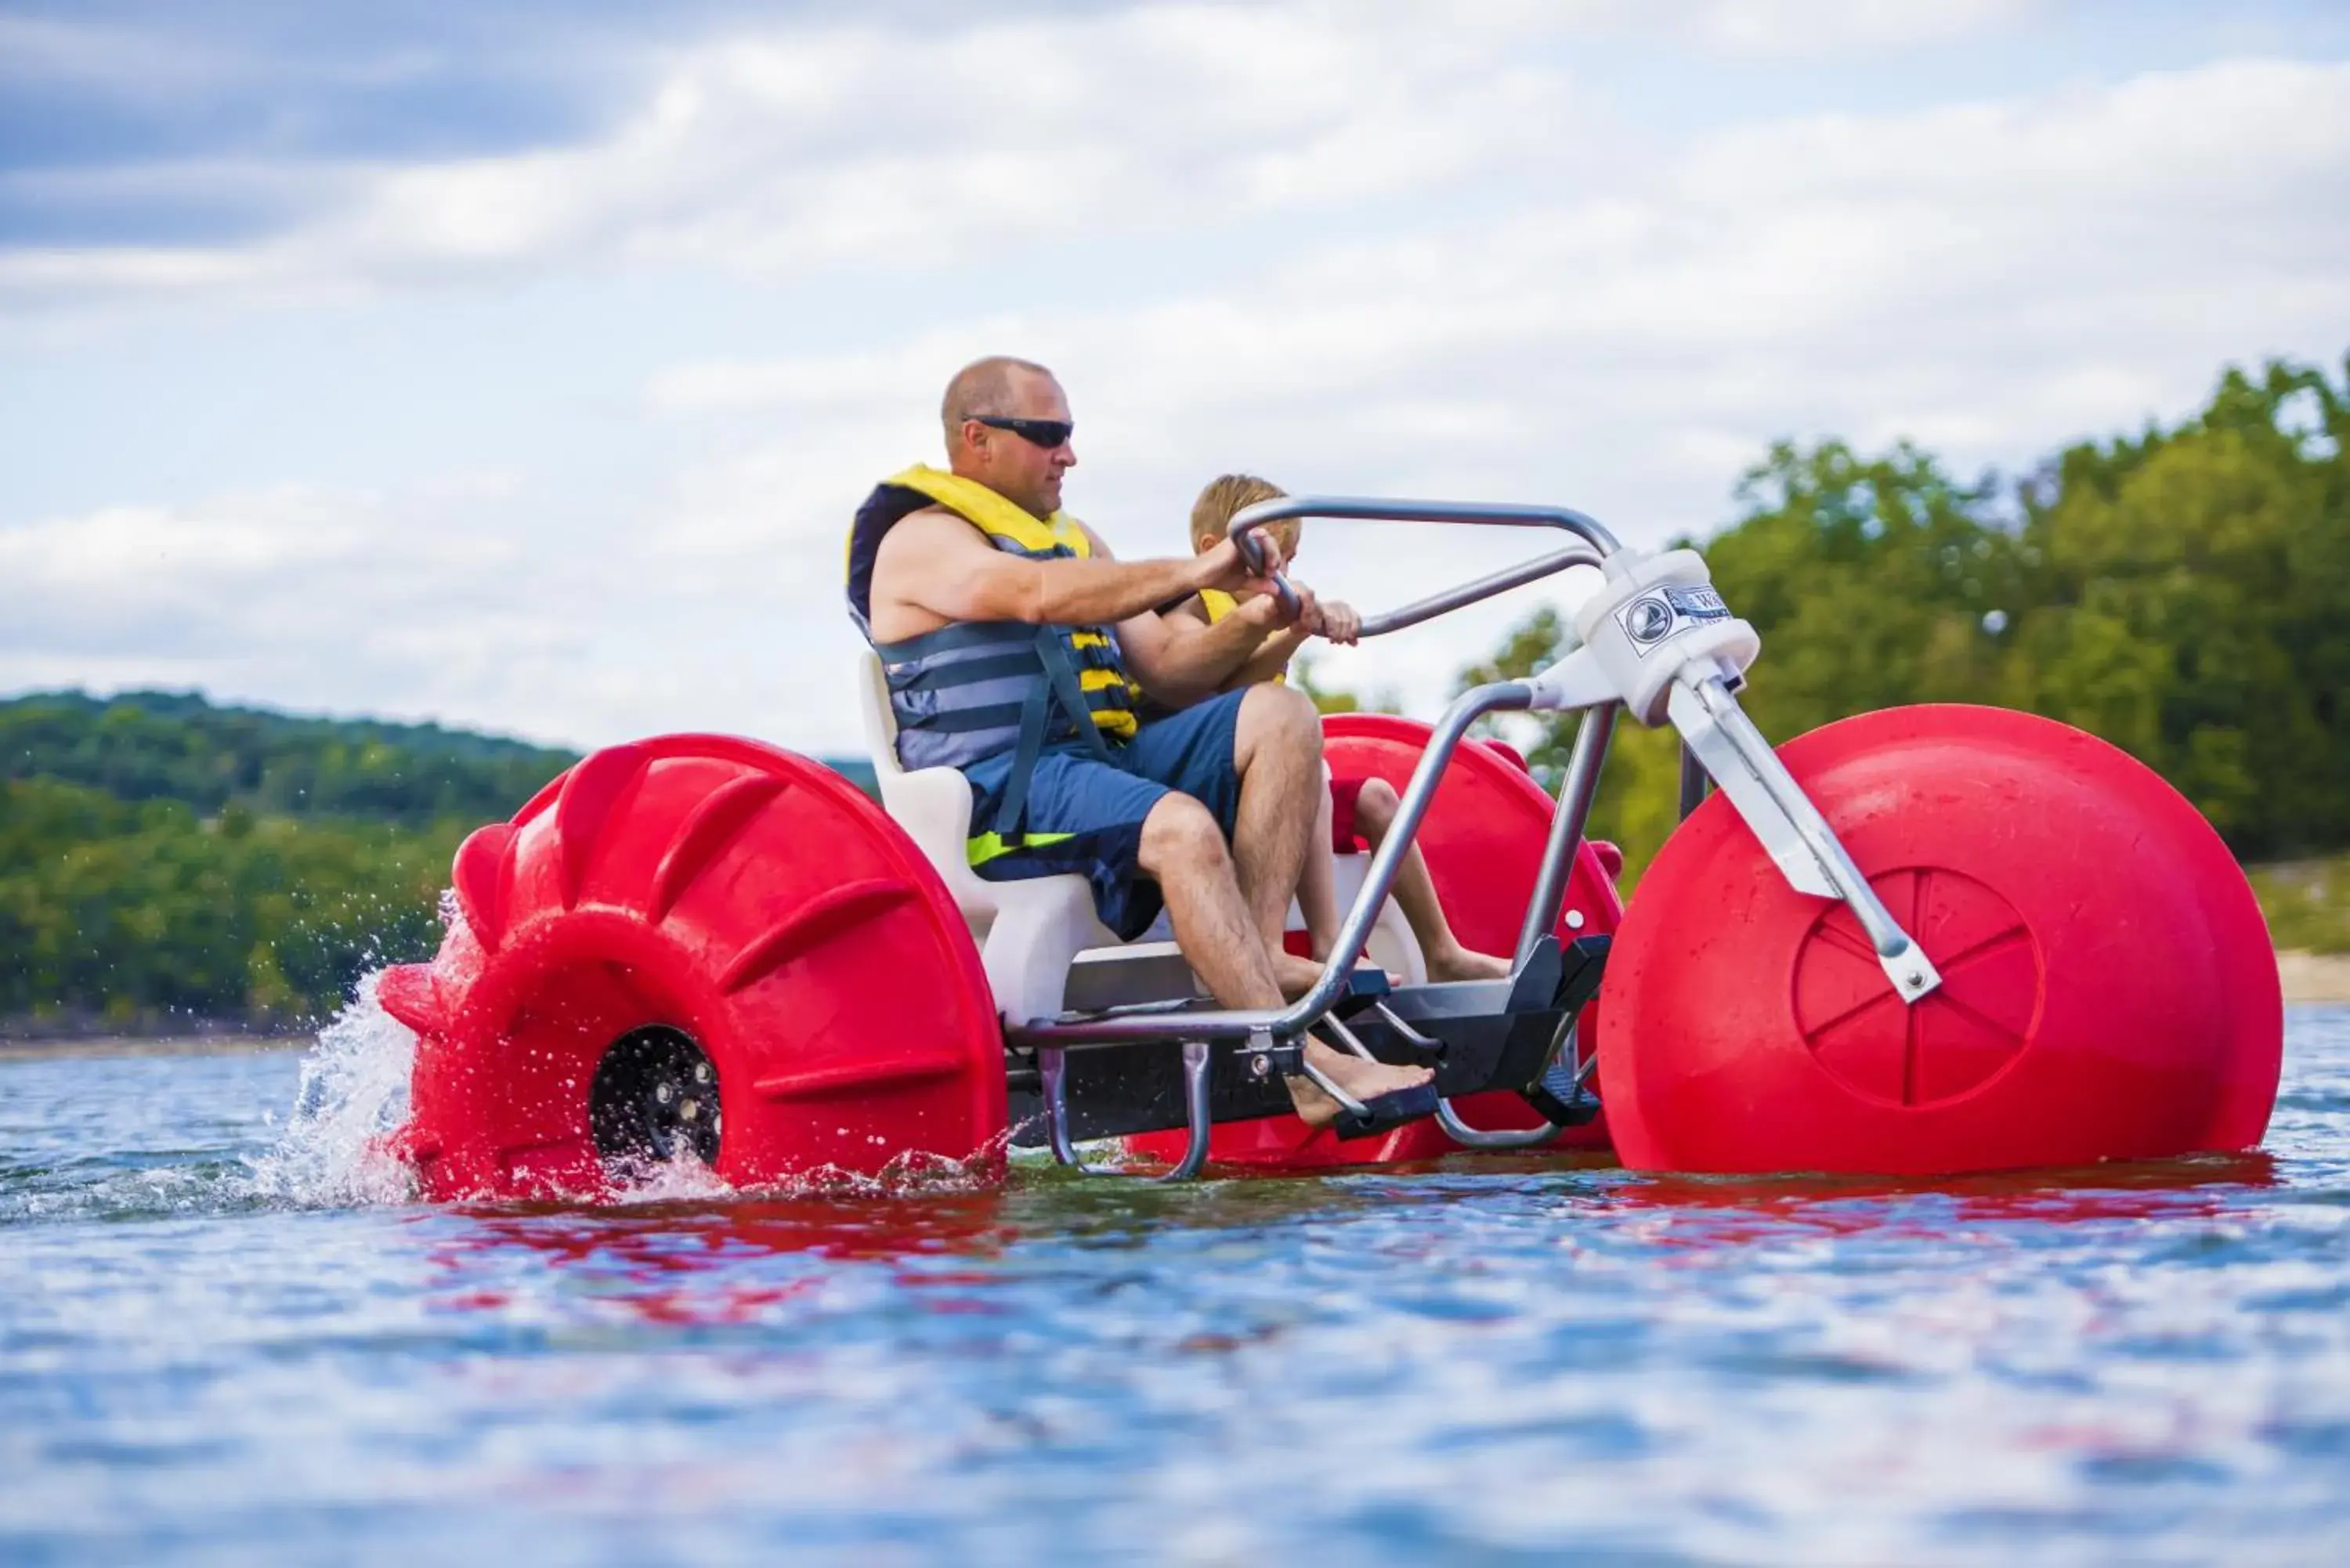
(1596,544)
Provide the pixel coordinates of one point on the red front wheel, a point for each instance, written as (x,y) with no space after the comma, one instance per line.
(2109,991)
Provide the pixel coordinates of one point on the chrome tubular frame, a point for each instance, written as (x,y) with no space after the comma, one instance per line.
(1263,1029)
(1575,794)
(1594,543)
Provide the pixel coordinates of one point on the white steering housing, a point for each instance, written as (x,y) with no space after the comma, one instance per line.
(1653,618)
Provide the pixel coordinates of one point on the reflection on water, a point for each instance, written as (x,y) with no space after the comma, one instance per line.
(217,1344)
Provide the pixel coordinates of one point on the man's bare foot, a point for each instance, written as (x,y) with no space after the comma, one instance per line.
(1460,963)
(1367,1081)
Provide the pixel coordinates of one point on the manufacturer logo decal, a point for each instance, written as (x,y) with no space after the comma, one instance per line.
(1698,603)
(1647,620)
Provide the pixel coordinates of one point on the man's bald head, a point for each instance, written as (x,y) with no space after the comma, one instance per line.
(1014,463)
(991,385)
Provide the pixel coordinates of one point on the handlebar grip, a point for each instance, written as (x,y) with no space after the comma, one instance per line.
(1253,553)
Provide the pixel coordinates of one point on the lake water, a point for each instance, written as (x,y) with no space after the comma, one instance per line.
(222,1339)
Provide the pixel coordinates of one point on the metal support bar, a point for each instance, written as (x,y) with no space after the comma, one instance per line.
(1368,509)
(1567,823)
(1053,1068)
(1462,1133)
(1484,588)
(1379,877)
(1405,1031)
(1694,782)
(1791,828)
(1336,1029)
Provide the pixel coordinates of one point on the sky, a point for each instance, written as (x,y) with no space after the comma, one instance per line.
(518,365)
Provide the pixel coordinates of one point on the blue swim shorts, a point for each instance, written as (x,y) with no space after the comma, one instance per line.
(1086,816)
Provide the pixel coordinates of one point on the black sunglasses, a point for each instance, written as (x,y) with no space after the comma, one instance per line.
(1046,433)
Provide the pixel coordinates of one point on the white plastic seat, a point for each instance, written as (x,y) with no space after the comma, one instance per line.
(1031,931)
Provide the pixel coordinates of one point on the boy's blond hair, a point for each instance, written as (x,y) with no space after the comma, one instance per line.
(1213,513)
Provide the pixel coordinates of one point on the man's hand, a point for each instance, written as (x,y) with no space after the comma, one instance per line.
(1226,568)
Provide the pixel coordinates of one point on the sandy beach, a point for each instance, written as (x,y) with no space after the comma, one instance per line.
(2314,977)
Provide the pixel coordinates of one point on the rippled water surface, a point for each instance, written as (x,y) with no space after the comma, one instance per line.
(218,1345)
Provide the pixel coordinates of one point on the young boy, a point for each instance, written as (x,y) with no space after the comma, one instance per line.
(1362,808)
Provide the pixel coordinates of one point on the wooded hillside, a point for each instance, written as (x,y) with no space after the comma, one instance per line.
(2184,593)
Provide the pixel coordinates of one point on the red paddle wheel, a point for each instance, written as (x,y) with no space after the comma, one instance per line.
(695,944)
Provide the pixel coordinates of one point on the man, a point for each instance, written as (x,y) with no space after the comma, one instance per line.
(1016,644)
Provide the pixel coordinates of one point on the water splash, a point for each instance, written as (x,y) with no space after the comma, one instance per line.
(912,1174)
(352,1095)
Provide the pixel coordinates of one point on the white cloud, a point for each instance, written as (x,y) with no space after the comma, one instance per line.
(806,147)
(1428,278)
(1790,28)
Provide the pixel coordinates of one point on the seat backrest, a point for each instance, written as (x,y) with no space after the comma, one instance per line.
(881,721)
(932,804)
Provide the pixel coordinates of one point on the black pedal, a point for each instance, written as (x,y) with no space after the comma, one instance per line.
(1557,1094)
(1559,1099)
(1386,1112)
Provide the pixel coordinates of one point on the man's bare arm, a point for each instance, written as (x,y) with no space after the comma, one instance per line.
(1180,659)
(1270,658)
(934,568)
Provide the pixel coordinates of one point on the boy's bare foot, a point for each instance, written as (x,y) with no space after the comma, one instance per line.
(1296,974)
(1367,1081)
(1460,963)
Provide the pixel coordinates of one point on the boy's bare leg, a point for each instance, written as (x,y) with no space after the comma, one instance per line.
(1183,850)
(1415,893)
(1317,900)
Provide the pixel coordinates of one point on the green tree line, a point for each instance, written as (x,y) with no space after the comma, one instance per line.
(2183,593)
(160,745)
(140,913)
(163,859)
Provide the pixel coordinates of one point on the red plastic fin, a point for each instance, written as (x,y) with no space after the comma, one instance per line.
(589,793)
(844,1077)
(409,994)
(712,826)
(482,875)
(850,904)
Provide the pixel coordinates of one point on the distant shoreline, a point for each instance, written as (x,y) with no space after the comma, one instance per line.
(54,1048)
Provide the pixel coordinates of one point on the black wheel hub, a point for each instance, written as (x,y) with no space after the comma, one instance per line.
(655,1098)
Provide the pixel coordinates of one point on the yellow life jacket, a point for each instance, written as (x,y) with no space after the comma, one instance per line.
(1110,694)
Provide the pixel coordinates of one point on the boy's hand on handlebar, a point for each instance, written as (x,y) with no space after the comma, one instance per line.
(1267,612)
(1339,621)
